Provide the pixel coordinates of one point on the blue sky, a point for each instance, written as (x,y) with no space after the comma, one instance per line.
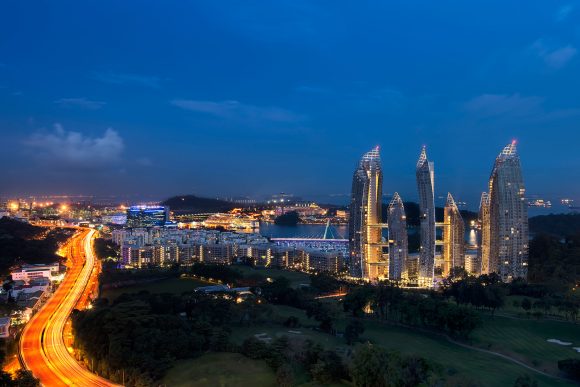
(249,97)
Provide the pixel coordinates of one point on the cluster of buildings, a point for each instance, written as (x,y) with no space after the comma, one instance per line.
(31,285)
(378,248)
(161,246)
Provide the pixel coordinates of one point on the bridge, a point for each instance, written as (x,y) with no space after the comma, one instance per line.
(330,240)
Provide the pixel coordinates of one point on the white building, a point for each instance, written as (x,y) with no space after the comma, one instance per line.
(27,273)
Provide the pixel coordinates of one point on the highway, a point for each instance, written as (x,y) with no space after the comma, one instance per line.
(42,346)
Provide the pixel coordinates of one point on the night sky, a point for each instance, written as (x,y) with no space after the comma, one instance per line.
(221,98)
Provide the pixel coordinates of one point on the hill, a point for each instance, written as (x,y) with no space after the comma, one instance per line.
(196,205)
(556,224)
(22,242)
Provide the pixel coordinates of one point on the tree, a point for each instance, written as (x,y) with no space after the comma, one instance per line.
(25,378)
(285,376)
(570,367)
(328,368)
(357,299)
(288,219)
(525,381)
(352,331)
(369,366)
(526,304)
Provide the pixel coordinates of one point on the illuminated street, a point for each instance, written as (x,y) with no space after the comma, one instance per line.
(42,347)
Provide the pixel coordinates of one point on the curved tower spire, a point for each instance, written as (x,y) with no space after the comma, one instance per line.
(425,184)
(365,217)
(508,216)
(398,243)
(453,237)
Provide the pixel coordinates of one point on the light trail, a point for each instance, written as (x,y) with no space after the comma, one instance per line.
(42,347)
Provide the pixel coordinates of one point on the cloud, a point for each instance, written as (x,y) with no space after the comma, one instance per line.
(80,102)
(554,57)
(76,150)
(238,111)
(129,79)
(489,105)
(563,12)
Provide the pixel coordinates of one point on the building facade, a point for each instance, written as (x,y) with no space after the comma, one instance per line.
(508,217)
(147,216)
(425,185)
(398,242)
(484,233)
(453,237)
(365,237)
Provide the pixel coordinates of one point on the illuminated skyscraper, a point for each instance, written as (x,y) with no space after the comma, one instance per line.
(147,216)
(453,237)
(425,185)
(398,244)
(365,240)
(508,217)
(484,241)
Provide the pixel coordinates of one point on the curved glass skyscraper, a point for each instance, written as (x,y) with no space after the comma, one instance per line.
(508,217)
(425,185)
(453,237)
(365,240)
(484,237)
(398,243)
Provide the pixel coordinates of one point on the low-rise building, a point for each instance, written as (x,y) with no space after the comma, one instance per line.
(27,272)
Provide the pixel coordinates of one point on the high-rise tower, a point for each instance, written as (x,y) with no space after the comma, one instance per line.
(508,217)
(365,237)
(484,238)
(398,243)
(425,185)
(453,237)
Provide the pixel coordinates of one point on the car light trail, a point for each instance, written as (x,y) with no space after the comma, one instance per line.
(42,346)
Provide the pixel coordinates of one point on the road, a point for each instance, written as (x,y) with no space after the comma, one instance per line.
(42,346)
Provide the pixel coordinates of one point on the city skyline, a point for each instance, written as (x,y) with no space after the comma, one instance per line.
(123,111)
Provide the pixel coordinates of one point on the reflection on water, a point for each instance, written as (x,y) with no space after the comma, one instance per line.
(303,231)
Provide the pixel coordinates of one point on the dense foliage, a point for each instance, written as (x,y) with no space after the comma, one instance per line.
(373,366)
(105,248)
(22,242)
(486,291)
(555,224)
(555,261)
(570,367)
(413,309)
(138,337)
(290,218)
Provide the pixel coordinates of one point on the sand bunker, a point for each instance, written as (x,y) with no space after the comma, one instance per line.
(556,341)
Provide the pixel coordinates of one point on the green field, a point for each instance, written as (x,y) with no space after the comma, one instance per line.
(220,369)
(489,370)
(296,278)
(526,340)
(169,285)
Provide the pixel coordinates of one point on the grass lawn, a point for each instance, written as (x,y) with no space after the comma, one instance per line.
(487,369)
(296,278)
(220,370)
(239,334)
(525,339)
(169,285)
